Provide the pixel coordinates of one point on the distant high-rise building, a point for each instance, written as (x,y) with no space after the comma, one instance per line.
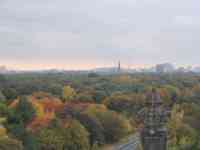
(165,68)
(196,69)
(119,67)
(3,69)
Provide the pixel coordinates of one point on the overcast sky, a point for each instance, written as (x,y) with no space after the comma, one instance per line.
(82,34)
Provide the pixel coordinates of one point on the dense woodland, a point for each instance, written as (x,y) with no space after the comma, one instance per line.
(62,111)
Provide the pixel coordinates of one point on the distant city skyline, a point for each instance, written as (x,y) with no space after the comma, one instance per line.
(86,34)
(114,65)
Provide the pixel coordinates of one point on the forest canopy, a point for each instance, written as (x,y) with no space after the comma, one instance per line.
(57,111)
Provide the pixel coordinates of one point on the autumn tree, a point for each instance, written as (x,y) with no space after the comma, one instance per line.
(182,136)
(115,126)
(74,137)
(68,93)
(129,104)
(170,94)
(196,92)
(10,144)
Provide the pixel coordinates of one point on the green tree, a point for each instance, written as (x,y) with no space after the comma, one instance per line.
(125,103)
(25,109)
(16,123)
(10,93)
(55,89)
(115,126)
(99,96)
(2,97)
(30,141)
(84,97)
(93,126)
(51,139)
(3,110)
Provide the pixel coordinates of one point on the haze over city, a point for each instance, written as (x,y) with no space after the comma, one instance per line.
(87,34)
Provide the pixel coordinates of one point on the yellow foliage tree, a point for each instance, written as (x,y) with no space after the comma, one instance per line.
(175,122)
(92,110)
(39,109)
(3,131)
(181,134)
(68,93)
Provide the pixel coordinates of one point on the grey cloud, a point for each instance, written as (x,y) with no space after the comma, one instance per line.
(100,30)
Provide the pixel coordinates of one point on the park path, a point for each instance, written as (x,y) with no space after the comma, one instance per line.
(132,143)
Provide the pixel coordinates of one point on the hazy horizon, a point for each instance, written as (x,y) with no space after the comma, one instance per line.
(115,65)
(88,34)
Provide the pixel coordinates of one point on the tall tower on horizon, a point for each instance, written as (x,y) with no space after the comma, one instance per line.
(119,66)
